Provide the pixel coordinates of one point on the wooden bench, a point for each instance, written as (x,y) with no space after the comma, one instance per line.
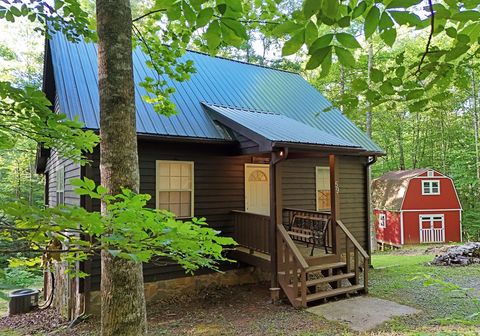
(309,229)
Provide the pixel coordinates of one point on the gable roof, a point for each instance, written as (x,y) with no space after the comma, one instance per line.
(389,189)
(240,86)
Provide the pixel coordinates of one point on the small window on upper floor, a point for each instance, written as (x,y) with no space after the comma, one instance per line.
(382,220)
(430,173)
(60,185)
(430,187)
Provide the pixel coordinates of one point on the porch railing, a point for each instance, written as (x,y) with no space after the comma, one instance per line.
(292,268)
(251,231)
(360,256)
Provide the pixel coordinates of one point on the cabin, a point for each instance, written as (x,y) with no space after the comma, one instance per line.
(416,206)
(252,150)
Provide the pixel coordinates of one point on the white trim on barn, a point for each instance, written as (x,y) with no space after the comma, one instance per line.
(432,234)
(402,238)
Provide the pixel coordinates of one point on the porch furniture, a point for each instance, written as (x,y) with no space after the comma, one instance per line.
(309,229)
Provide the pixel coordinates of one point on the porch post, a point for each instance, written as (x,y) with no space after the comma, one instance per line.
(275,215)
(334,200)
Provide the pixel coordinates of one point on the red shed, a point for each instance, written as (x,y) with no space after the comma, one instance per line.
(416,206)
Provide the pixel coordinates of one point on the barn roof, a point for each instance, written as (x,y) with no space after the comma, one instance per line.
(389,189)
(222,82)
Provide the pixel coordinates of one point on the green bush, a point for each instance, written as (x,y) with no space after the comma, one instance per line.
(471,225)
(20,277)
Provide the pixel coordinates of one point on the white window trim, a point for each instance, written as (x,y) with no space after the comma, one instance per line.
(317,169)
(430,187)
(382,220)
(430,173)
(192,190)
(60,185)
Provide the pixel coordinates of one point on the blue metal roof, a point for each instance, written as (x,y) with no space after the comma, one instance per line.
(217,80)
(279,128)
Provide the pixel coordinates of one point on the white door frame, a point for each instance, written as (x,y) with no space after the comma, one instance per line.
(256,165)
(430,216)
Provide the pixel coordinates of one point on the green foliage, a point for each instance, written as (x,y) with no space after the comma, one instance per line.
(129,230)
(20,277)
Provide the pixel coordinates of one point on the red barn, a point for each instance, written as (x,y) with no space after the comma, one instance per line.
(416,206)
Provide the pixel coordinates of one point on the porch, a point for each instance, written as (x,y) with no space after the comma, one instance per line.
(334,266)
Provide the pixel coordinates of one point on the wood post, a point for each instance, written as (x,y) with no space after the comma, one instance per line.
(334,201)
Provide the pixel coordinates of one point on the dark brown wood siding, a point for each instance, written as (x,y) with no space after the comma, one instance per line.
(218,189)
(298,188)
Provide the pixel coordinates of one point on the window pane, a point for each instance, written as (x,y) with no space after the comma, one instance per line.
(164,182)
(163,197)
(186,182)
(186,170)
(175,208)
(175,182)
(164,169)
(175,169)
(174,197)
(185,210)
(185,196)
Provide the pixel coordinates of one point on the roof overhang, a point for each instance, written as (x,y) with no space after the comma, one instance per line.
(257,127)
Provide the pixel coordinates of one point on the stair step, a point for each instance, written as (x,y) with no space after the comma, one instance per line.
(326,266)
(333,278)
(331,293)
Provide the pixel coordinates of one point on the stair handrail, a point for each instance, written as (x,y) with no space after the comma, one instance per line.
(358,249)
(352,239)
(293,247)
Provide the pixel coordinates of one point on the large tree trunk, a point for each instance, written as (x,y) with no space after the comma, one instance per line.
(475,122)
(123,300)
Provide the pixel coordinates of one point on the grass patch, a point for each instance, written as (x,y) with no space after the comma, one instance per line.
(401,278)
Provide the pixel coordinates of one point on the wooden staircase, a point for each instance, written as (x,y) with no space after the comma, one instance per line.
(307,282)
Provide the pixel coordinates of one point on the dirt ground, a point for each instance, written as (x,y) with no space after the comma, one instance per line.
(243,310)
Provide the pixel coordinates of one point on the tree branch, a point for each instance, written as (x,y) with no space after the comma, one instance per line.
(147,14)
(432,25)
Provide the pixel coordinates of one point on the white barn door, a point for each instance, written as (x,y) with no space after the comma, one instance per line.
(257,189)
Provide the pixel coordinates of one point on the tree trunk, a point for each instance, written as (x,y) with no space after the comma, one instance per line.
(401,151)
(368,116)
(475,122)
(122,290)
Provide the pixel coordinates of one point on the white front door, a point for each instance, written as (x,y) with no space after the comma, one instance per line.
(432,228)
(257,189)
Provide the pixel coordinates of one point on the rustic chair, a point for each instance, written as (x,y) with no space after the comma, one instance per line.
(309,229)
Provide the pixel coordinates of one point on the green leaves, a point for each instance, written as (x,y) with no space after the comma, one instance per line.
(319,56)
(371,21)
(403,3)
(345,56)
(311,7)
(294,44)
(204,16)
(347,40)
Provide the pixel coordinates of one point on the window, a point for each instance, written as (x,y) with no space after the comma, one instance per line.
(175,187)
(430,173)
(323,188)
(382,220)
(60,185)
(431,187)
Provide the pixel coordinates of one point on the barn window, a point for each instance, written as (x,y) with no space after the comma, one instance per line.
(430,173)
(175,187)
(60,185)
(382,220)
(323,188)
(431,187)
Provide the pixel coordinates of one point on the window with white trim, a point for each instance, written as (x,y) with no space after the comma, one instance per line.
(430,173)
(430,187)
(382,220)
(60,185)
(174,191)
(323,197)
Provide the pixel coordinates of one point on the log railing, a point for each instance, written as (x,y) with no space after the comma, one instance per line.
(289,213)
(360,256)
(251,231)
(292,268)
